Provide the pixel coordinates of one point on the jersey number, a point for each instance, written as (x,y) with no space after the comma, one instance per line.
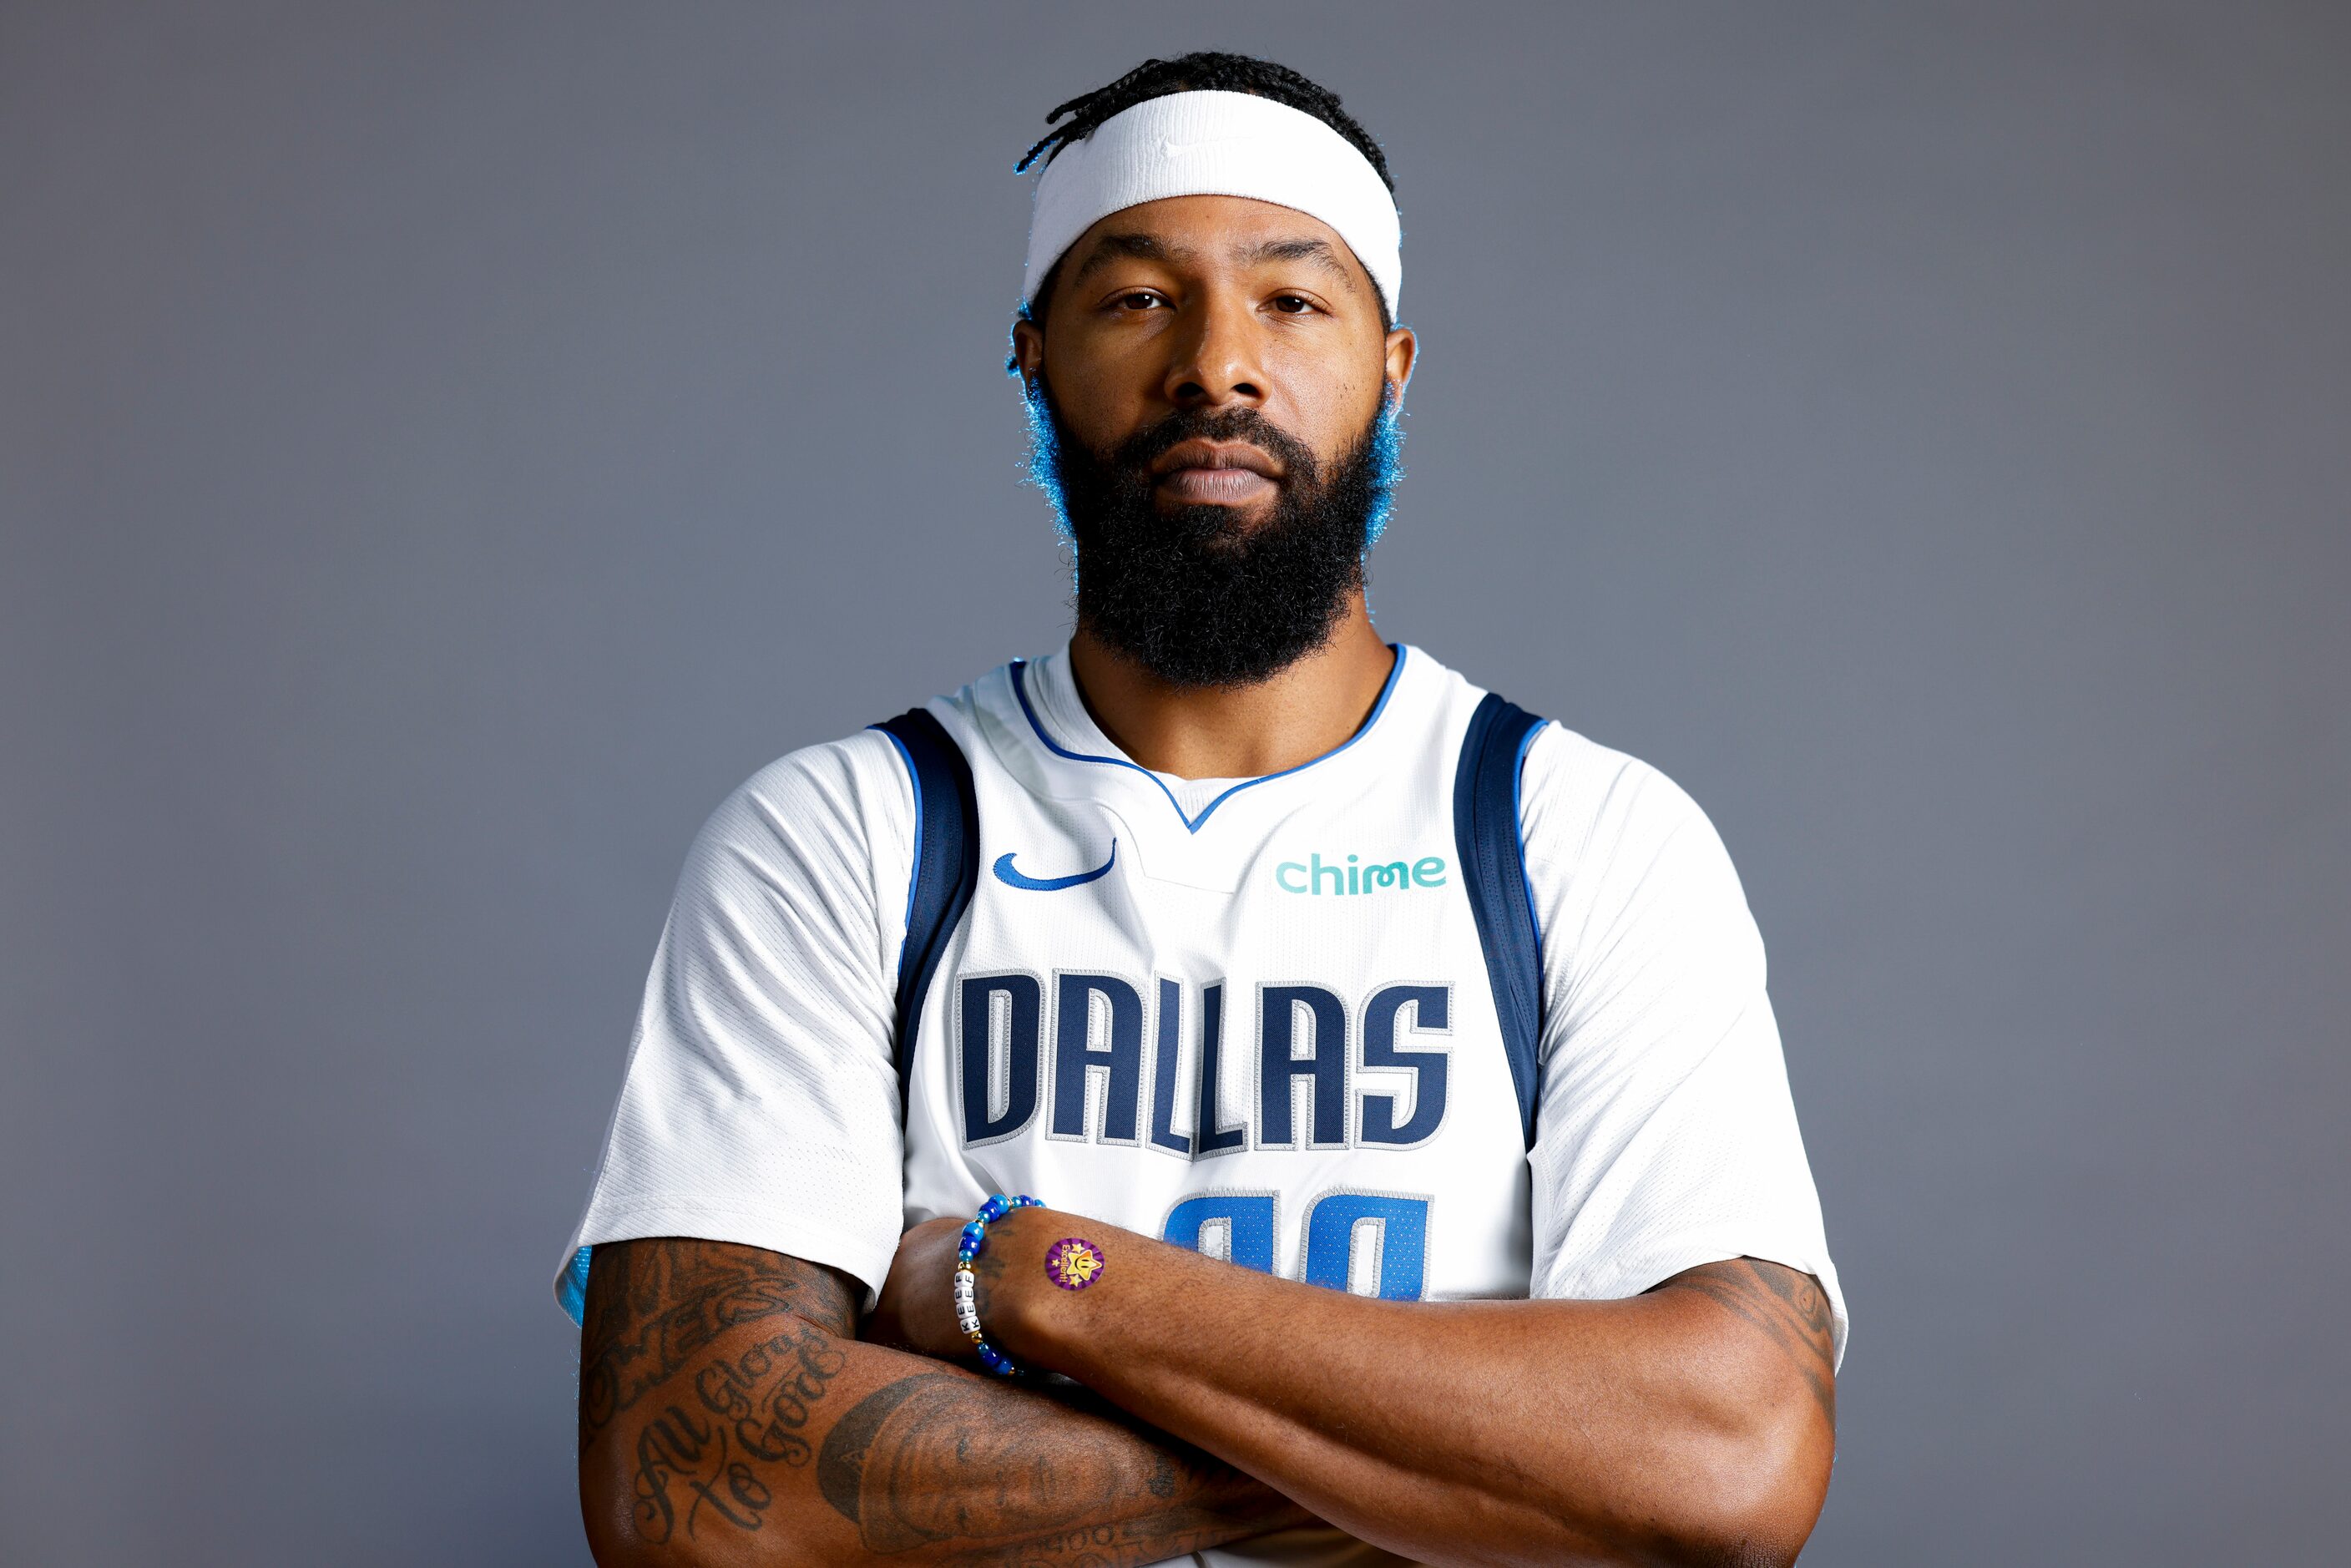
(1378,1238)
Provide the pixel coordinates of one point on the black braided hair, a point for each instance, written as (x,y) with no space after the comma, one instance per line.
(1203,70)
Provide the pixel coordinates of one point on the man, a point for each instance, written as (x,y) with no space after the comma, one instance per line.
(1417,1175)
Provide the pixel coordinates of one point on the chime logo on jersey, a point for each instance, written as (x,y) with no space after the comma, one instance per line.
(1312,877)
(1308,1038)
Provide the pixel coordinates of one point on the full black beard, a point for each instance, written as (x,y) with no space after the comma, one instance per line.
(1193,595)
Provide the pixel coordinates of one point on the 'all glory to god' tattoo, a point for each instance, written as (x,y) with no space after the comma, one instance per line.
(749,1407)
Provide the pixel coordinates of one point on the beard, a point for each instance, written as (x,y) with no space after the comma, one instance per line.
(1194,594)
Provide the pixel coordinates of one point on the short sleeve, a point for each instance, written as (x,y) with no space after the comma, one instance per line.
(1665,1136)
(760,1101)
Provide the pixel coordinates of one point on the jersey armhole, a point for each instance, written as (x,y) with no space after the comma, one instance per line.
(945,865)
(1491,843)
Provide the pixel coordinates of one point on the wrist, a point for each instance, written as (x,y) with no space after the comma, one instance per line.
(1009,1268)
(978,1267)
(1027,1314)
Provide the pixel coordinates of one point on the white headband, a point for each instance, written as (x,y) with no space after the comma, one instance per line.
(1215,144)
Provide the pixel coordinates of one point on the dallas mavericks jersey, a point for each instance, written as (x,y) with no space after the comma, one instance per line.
(1263,1023)
(1468,1006)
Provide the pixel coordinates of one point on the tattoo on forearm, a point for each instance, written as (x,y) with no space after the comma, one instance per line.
(1789,1309)
(900,1465)
(751,1406)
(767,1391)
(654,1305)
(711,1365)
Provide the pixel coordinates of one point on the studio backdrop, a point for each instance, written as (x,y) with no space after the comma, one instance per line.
(443,448)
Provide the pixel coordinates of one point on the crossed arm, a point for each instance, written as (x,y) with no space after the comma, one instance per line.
(728,1414)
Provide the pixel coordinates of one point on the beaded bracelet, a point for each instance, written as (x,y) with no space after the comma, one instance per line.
(967,1284)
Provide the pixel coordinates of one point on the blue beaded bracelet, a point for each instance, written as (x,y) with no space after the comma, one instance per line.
(967,1284)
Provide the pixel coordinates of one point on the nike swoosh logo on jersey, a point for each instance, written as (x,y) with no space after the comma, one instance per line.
(1010,878)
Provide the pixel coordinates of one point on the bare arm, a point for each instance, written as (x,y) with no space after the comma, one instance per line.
(727,1416)
(1693,1424)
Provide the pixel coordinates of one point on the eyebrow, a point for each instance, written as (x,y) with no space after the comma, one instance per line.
(1141,246)
(1150,248)
(1302,249)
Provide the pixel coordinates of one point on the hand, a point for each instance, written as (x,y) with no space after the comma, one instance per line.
(916,1308)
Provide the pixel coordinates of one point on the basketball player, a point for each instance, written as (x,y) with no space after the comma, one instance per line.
(1229,1090)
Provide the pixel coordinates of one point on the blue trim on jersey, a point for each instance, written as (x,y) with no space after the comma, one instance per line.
(1010,878)
(1518,817)
(914,878)
(1192,824)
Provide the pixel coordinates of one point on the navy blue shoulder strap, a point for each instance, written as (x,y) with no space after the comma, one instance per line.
(946,862)
(1494,872)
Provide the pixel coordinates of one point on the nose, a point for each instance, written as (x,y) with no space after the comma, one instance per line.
(1216,363)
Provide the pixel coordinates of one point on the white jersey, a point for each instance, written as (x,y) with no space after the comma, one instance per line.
(1249,1016)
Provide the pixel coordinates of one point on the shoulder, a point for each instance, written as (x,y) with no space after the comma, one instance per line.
(1624,866)
(1581,802)
(830,825)
(847,788)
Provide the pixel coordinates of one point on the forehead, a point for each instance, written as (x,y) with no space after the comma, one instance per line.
(1213,234)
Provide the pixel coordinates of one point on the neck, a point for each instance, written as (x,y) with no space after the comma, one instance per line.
(1292,716)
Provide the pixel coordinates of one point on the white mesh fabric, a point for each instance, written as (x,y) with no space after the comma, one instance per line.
(760,1101)
(1665,1136)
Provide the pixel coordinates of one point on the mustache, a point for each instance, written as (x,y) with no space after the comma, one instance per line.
(1138,452)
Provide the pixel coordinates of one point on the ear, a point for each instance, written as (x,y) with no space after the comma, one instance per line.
(1027,353)
(1402,348)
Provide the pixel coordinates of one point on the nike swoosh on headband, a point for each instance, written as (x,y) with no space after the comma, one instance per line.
(1178,149)
(1010,878)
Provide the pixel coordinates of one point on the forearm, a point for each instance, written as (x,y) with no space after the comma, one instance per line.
(743,1432)
(1684,1425)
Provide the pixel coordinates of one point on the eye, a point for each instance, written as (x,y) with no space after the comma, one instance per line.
(1292,305)
(1138,300)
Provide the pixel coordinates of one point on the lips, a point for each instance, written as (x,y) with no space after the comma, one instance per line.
(1212,457)
(1216,472)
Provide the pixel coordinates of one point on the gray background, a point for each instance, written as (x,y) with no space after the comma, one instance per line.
(443,448)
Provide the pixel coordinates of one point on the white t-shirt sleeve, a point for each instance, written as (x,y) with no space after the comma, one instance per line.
(760,1101)
(1665,1136)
